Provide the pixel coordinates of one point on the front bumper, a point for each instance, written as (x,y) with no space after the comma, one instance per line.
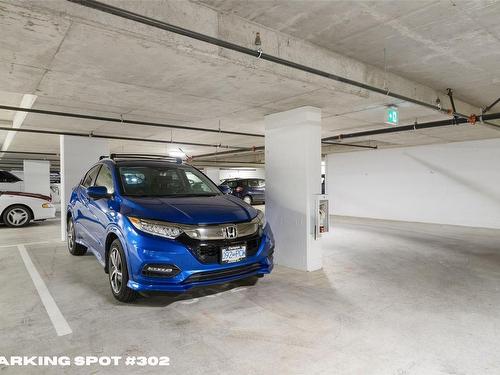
(145,249)
(45,213)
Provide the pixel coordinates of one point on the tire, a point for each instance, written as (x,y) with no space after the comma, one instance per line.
(247,199)
(17,216)
(118,273)
(74,248)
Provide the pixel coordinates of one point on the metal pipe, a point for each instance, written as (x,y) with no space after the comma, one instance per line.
(425,125)
(101,136)
(29,153)
(225,162)
(349,145)
(487,109)
(20,160)
(124,121)
(119,12)
(258,148)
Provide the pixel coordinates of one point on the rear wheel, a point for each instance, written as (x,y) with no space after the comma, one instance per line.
(118,274)
(16,216)
(247,199)
(73,247)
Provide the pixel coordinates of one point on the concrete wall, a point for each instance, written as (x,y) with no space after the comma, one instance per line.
(457,183)
(36,176)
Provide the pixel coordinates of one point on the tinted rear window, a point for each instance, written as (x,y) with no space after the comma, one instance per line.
(256,183)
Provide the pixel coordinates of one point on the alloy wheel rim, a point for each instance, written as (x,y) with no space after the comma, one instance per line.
(17,217)
(71,234)
(115,275)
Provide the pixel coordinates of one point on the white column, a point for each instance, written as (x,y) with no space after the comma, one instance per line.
(78,154)
(213,174)
(293,177)
(36,176)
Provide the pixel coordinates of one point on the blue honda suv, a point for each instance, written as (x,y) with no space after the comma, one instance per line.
(157,224)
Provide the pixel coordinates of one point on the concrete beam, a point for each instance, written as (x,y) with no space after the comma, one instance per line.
(230,27)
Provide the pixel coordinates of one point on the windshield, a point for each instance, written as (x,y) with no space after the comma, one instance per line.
(165,181)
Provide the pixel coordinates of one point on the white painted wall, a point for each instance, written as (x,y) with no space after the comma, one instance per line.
(455,183)
(293,177)
(36,176)
(78,154)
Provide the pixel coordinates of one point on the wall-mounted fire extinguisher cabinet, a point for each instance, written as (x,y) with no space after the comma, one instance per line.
(321,217)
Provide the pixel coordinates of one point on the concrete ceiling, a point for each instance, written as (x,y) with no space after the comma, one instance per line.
(442,44)
(78,60)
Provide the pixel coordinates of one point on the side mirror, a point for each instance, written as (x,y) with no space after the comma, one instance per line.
(225,189)
(97,192)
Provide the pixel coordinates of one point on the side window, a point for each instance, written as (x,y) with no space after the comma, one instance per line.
(231,184)
(256,183)
(90,176)
(105,178)
(196,184)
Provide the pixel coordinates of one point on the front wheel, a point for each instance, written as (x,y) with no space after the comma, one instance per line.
(16,216)
(74,247)
(118,274)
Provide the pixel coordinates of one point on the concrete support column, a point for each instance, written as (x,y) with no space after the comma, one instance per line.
(213,174)
(293,178)
(78,154)
(36,176)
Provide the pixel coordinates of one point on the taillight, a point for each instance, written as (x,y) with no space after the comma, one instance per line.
(239,189)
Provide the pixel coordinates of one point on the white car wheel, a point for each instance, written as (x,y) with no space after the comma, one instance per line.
(16,216)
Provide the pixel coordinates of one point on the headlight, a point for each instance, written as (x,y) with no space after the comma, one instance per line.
(261,217)
(47,205)
(156,228)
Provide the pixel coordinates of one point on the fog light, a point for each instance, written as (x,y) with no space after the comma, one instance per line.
(160,270)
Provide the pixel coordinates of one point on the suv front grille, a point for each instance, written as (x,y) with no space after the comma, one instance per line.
(209,251)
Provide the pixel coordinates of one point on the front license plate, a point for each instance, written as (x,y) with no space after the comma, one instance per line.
(233,254)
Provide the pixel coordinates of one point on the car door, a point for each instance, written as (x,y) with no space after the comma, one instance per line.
(102,210)
(83,217)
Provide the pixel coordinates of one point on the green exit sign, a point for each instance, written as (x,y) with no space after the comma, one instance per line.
(392,116)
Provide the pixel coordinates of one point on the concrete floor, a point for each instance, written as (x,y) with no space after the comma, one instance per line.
(392,298)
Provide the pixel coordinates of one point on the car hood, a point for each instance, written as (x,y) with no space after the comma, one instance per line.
(218,209)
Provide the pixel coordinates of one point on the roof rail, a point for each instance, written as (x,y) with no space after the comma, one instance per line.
(114,156)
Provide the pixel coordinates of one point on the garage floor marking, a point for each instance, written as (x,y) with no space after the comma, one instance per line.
(60,324)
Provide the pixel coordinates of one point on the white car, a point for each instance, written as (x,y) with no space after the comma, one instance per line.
(17,209)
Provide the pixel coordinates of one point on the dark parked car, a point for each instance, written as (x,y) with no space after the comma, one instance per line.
(251,190)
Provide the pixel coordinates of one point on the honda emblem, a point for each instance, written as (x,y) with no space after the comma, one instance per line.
(230,231)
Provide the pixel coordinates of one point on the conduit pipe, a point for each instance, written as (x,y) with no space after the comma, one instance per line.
(125,121)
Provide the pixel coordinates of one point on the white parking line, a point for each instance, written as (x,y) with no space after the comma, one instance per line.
(31,243)
(60,324)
